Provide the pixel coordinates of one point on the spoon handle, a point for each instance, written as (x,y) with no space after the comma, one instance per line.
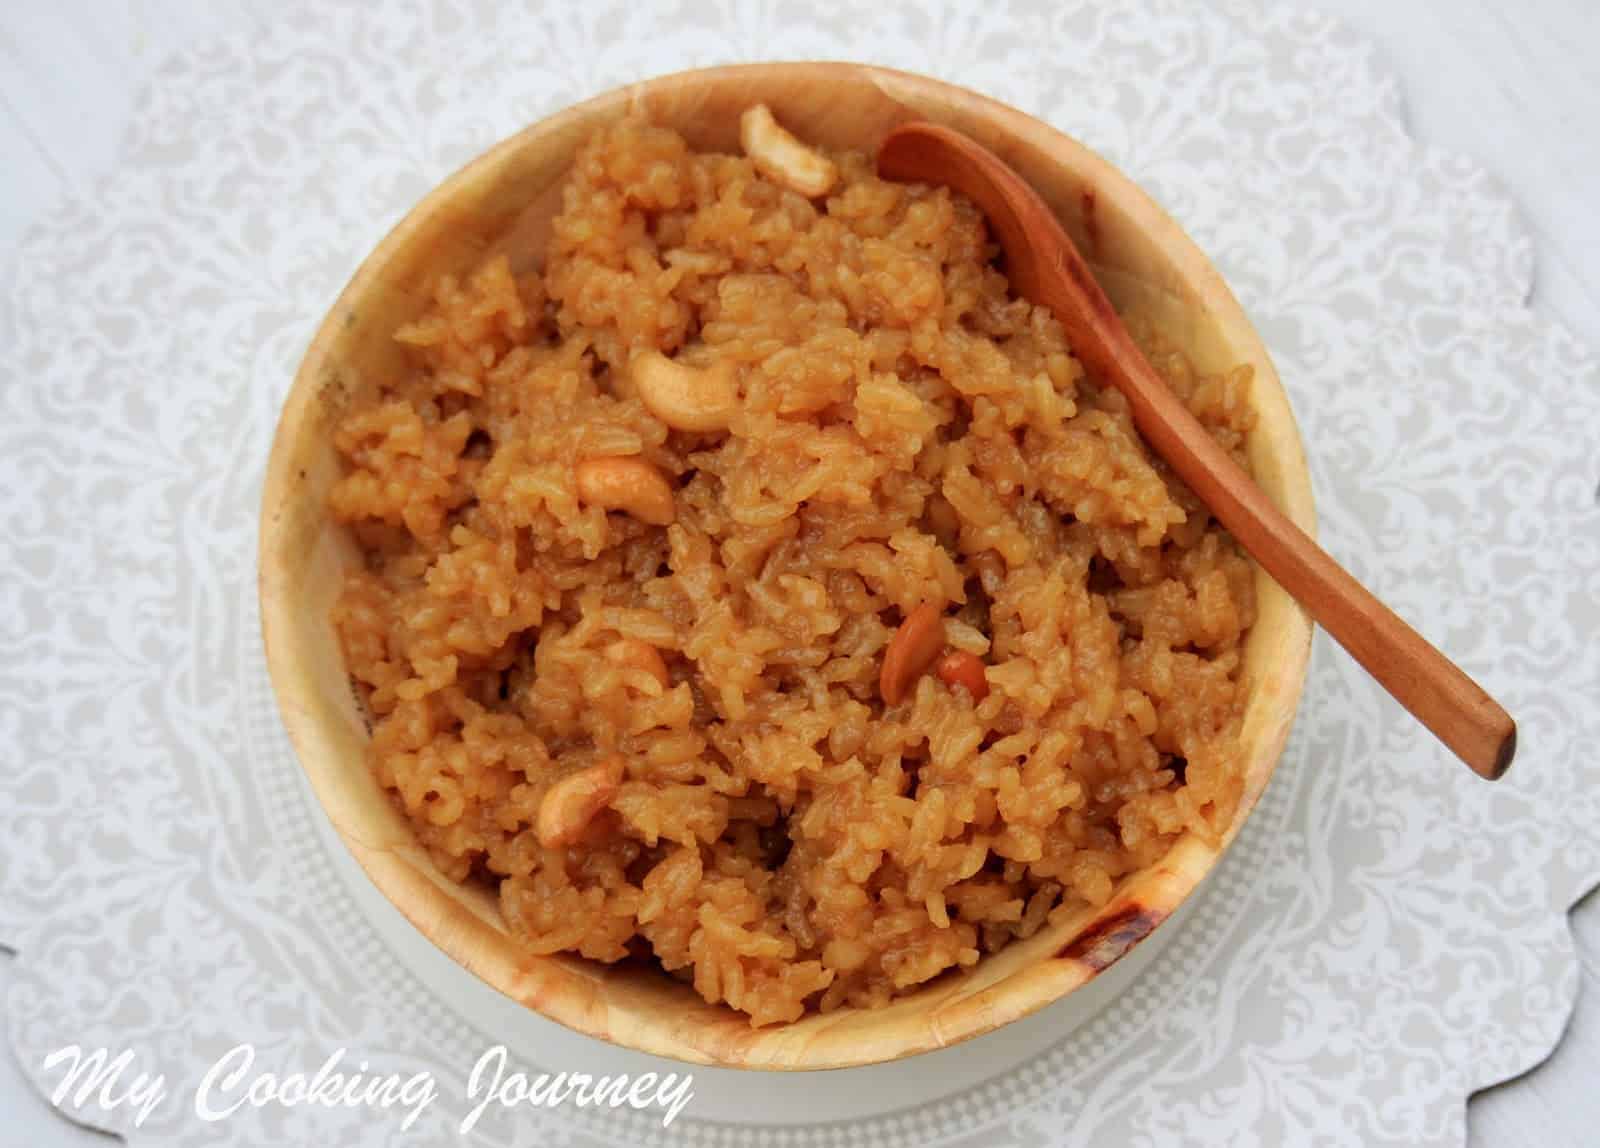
(1437,691)
(1053,273)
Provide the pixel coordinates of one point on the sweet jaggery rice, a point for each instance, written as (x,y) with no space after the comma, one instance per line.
(905,432)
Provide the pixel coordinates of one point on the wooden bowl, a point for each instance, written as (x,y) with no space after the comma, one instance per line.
(504,200)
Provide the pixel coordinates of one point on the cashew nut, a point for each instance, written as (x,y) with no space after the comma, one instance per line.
(683,397)
(911,651)
(629,485)
(571,803)
(781,157)
(634,654)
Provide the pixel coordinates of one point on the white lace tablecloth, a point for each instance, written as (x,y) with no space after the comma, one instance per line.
(1389,934)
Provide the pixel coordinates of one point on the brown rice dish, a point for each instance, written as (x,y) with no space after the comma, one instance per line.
(761,590)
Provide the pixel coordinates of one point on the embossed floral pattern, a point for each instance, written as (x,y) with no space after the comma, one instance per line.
(1389,933)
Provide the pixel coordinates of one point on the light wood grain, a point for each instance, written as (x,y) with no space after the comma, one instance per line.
(503,201)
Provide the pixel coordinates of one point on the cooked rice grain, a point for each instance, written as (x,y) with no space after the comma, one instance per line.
(906,431)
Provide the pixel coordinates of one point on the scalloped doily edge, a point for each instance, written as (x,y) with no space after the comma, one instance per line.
(1519,236)
(1519,232)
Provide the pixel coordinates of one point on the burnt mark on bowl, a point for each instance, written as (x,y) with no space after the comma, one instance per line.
(1108,940)
(335,390)
(1091,221)
(363,709)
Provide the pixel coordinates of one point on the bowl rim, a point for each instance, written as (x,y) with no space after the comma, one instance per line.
(1112,932)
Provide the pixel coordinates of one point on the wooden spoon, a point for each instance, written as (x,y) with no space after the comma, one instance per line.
(1046,268)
